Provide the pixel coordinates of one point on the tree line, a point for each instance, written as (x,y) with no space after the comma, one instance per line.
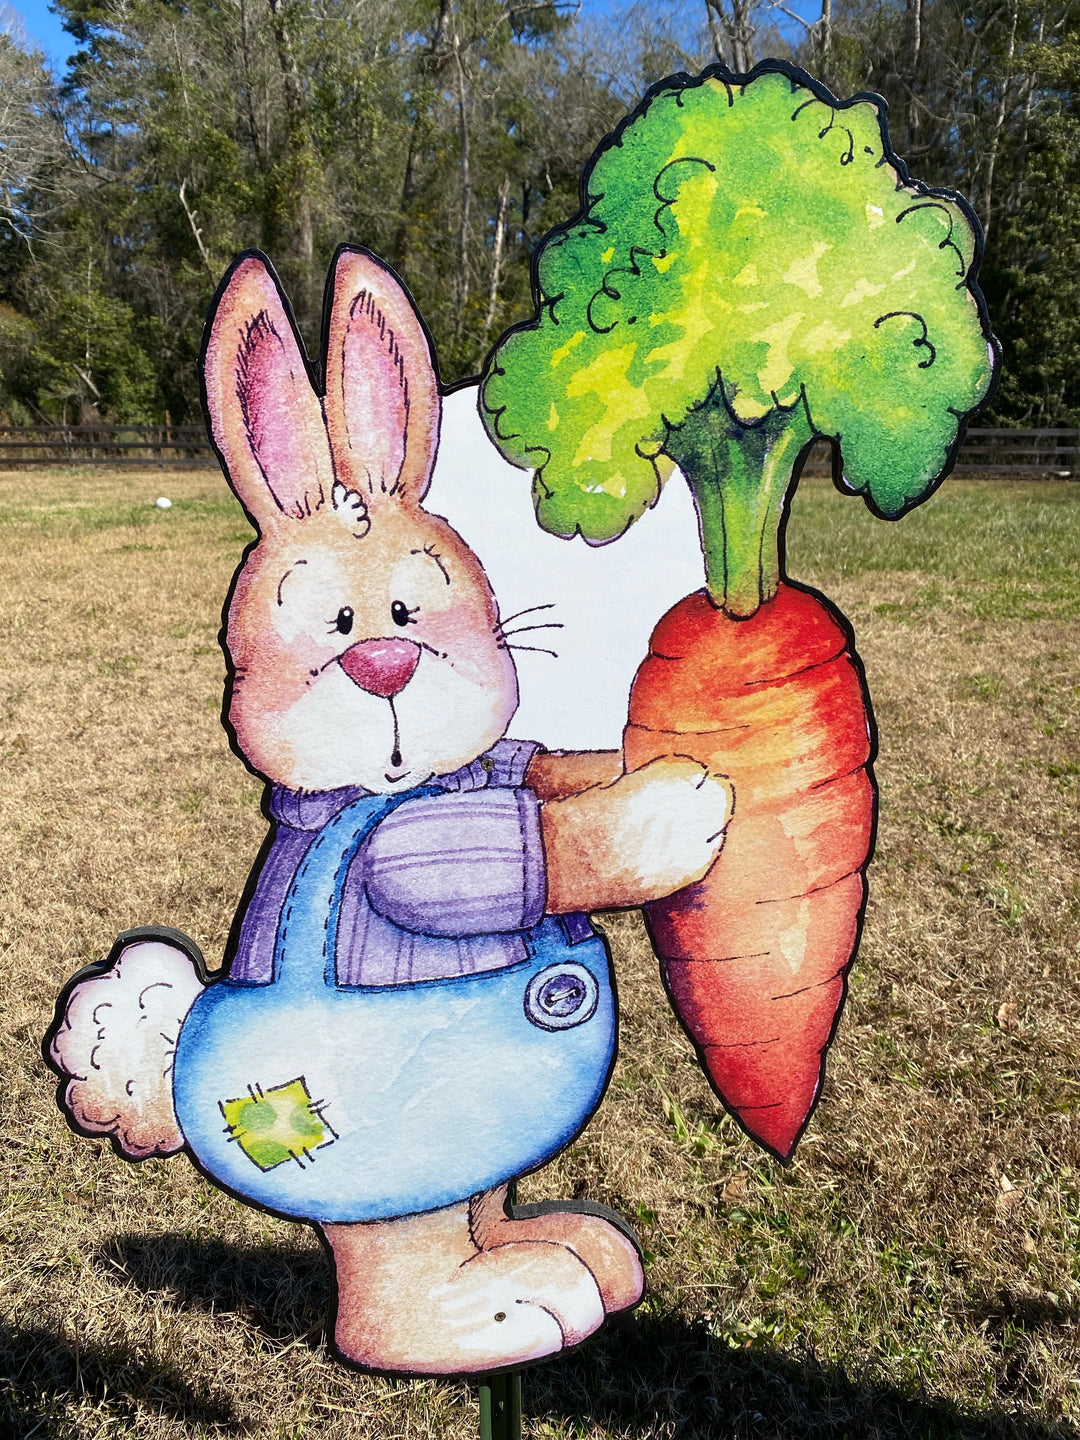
(448,136)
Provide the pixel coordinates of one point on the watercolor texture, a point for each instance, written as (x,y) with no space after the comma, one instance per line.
(417,1009)
(475,729)
(751,270)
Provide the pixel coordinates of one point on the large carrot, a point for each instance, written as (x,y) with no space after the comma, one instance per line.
(751,270)
(756,955)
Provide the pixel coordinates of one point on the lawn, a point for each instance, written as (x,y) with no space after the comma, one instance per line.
(917,1270)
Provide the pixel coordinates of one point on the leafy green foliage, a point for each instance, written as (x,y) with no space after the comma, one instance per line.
(160,96)
(1033,286)
(186,133)
(751,244)
(984,97)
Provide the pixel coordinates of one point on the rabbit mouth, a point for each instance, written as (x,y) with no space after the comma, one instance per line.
(383,667)
(395,753)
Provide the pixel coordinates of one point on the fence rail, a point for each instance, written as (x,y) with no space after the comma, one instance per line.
(160,447)
(1049,453)
(1053,453)
(1021,452)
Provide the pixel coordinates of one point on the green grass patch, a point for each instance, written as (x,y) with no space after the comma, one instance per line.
(915,1275)
(76,519)
(996,549)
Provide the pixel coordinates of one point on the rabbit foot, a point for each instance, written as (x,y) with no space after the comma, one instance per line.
(419,1296)
(611,1256)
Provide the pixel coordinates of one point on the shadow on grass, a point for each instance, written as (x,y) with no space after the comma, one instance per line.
(665,1376)
(43,1376)
(645,1376)
(279,1288)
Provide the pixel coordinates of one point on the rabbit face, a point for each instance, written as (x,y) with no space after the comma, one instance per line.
(365,657)
(362,633)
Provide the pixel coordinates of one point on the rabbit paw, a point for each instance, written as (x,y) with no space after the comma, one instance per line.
(651,832)
(611,1255)
(671,817)
(520,1301)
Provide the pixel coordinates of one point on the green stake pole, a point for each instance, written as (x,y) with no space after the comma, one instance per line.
(500,1406)
(500,1395)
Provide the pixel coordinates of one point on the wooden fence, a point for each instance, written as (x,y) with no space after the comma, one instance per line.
(1049,453)
(1021,452)
(161,447)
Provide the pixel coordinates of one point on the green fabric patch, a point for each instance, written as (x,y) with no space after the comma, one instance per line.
(272,1126)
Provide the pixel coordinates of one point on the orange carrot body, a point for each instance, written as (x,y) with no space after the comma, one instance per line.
(755,956)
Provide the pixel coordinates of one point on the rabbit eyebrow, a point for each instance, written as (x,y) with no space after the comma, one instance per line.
(433,554)
(285,577)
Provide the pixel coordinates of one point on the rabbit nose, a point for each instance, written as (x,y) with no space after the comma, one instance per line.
(382,667)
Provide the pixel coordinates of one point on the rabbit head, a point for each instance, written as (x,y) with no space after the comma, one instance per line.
(361,631)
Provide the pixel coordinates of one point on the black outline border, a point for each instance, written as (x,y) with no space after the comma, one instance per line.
(177,938)
(799,79)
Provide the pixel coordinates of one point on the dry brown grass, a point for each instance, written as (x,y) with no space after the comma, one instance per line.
(916,1273)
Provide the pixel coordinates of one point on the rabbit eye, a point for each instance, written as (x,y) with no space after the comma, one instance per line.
(343,623)
(401,614)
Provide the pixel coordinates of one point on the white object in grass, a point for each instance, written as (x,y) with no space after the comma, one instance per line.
(163,502)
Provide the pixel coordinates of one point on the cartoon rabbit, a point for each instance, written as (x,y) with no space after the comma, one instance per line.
(417,1010)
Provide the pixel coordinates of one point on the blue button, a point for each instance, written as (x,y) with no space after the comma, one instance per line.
(561,996)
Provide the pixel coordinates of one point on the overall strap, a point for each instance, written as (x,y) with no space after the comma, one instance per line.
(306,940)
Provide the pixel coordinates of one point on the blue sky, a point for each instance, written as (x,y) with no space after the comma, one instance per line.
(45,30)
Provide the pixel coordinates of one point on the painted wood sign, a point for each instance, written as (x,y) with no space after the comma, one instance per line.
(751,270)
(417,1010)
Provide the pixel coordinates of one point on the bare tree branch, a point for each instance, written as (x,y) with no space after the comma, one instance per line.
(193,217)
(496,259)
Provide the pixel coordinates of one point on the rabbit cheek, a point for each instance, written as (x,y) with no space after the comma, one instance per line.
(449,714)
(479,658)
(334,734)
(464,634)
(263,696)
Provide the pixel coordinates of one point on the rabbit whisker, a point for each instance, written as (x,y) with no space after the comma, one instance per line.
(537,649)
(527,611)
(547,625)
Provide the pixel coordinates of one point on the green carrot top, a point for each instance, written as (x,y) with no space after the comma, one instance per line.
(750,270)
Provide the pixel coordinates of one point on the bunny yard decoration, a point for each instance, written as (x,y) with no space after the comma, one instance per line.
(416,1010)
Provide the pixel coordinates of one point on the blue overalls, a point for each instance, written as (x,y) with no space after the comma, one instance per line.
(340,1104)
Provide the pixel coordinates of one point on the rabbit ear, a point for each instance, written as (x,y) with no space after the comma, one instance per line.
(265,417)
(382,395)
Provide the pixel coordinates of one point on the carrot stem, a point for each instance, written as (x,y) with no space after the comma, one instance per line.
(739,475)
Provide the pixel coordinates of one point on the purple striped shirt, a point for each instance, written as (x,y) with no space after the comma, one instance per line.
(443,886)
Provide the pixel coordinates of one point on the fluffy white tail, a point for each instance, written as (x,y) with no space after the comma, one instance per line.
(116,1040)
